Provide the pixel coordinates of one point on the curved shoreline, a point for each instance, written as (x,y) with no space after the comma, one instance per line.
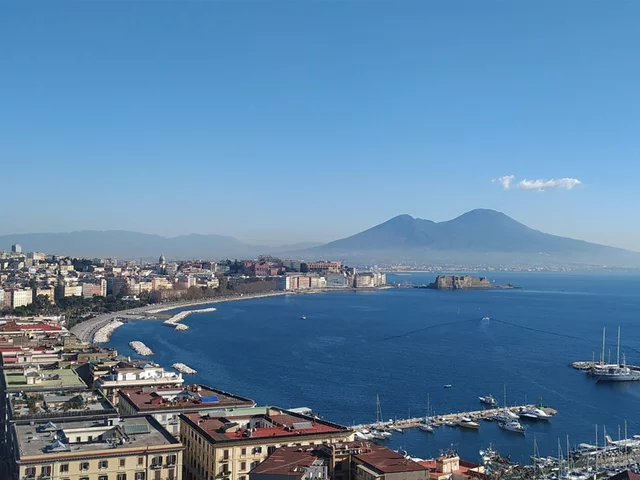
(85,331)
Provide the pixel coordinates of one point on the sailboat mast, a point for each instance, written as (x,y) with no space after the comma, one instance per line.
(505,395)
(618,357)
(604,329)
(378,409)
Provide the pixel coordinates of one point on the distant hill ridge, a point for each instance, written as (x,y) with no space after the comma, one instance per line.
(478,236)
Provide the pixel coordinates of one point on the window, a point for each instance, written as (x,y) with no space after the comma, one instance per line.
(84,478)
(156,462)
(156,475)
(122,462)
(30,472)
(64,468)
(257,450)
(171,475)
(103,464)
(78,439)
(121,476)
(242,477)
(270,450)
(45,471)
(225,455)
(140,460)
(84,466)
(243,466)
(90,438)
(139,475)
(103,477)
(172,459)
(243,451)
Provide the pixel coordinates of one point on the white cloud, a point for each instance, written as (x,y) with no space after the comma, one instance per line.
(565,183)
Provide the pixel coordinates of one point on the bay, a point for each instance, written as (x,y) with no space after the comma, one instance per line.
(403,344)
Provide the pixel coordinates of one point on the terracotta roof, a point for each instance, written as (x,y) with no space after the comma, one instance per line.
(144,399)
(386,460)
(626,475)
(287,461)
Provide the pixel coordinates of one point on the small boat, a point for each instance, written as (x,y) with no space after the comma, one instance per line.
(485,319)
(450,424)
(362,435)
(303,317)
(377,435)
(465,419)
(505,416)
(448,385)
(397,429)
(471,425)
(513,426)
(425,427)
(489,400)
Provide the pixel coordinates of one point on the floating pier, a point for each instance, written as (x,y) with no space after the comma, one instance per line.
(449,418)
(140,348)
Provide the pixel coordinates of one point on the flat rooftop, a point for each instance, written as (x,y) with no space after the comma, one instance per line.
(71,437)
(188,397)
(60,378)
(35,405)
(275,422)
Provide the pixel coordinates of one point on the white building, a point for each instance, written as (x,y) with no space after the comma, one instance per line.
(21,298)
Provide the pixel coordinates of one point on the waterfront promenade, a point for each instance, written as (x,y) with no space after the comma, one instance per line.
(85,331)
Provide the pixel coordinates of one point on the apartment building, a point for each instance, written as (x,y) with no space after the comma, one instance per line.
(135,448)
(228,445)
(166,403)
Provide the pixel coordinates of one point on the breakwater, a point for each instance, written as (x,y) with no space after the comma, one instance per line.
(140,348)
(178,317)
(182,368)
(104,333)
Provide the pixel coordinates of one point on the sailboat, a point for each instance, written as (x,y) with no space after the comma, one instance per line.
(617,372)
(425,427)
(505,415)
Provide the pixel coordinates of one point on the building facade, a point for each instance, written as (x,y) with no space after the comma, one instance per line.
(228,445)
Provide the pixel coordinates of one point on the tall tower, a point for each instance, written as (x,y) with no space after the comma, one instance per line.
(17,248)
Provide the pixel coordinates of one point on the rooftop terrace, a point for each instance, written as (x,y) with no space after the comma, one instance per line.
(275,422)
(81,437)
(193,397)
(33,379)
(58,404)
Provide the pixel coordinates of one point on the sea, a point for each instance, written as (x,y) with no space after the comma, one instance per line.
(402,345)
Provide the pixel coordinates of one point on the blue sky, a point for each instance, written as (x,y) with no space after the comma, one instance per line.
(279,122)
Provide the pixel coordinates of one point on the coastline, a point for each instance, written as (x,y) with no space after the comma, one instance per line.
(86,330)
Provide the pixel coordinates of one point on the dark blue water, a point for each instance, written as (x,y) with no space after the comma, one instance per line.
(405,343)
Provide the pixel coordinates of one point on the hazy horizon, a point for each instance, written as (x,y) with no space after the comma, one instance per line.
(286,122)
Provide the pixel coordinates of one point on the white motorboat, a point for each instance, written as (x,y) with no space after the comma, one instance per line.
(505,416)
(535,414)
(513,426)
(465,419)
(377,435)
(362,435)
(425,427)
(468,424)
(489,400)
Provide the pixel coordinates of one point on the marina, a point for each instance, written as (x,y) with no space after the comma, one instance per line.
(140,348)
(461,419)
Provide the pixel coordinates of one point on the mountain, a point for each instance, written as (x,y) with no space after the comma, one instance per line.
(125,244)
(478,236)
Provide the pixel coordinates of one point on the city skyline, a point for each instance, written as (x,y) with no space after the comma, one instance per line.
(303,123)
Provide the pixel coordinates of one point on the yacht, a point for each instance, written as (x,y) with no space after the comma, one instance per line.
(448,385)
(505,416)
(535,414)
(468,424)
(489,400)
(378,435)
(618,372)
(303,317)
(513,426)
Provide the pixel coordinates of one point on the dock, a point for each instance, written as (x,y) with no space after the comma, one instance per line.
(440,420)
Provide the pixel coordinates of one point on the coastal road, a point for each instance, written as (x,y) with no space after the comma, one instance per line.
(85,331)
